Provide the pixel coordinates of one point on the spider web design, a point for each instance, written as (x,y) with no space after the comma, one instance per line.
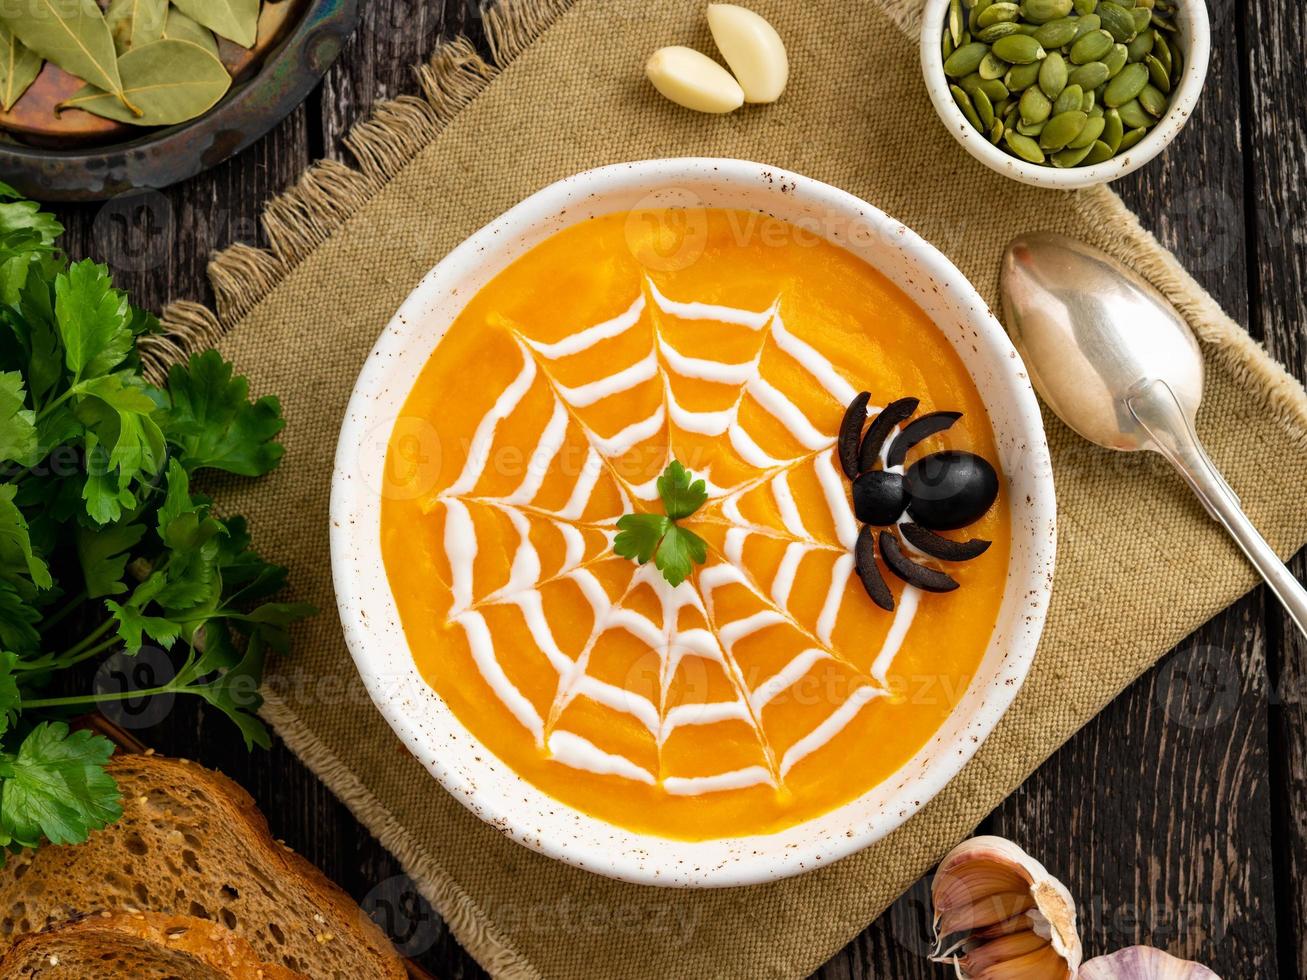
(733,624)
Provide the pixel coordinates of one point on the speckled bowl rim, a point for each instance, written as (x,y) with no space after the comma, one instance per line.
(425,723)
(1196,35)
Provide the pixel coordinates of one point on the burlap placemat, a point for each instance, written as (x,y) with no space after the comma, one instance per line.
(1140,566)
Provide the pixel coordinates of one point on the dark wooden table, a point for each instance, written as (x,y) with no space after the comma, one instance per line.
(1179,816)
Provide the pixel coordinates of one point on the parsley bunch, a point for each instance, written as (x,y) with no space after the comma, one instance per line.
(104,546)
(674,549)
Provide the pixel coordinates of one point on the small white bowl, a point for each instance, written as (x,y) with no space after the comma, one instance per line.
(1196,46)
(425,723)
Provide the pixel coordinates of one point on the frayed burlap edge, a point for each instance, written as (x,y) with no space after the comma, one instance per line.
(330,193)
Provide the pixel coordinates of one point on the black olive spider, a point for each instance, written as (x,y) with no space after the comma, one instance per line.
(944,491)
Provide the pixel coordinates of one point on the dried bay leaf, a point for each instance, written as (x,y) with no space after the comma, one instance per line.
(134,23)
(19,67)
(179,27)
(71,33)
(170,81)
(236,20)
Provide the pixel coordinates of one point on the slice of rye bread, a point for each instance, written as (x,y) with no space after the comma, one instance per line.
(131,945)
(192,842)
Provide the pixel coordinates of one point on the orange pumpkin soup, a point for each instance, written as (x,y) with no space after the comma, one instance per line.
(768,687)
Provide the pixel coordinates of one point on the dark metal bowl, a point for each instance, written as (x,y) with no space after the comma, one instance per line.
(165,156)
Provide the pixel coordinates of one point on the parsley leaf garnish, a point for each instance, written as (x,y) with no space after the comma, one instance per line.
(104,544)
(675,550)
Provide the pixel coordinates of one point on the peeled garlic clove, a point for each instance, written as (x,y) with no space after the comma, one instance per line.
(692,79)
(999,915)
(752,48)
(1143,963)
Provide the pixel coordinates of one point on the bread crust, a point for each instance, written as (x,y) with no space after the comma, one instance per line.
(153,787)
(174,939)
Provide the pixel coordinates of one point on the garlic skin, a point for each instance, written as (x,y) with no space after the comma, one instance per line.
(693,80)
(999,915)
(752,48)
(1143,963)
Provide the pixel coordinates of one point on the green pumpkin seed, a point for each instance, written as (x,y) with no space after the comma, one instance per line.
(1098,153)
(1021,77)
(1126,86)
(1053,75)
(1093,130)
(1042,11)
(1070,158)
(1154,101)
(1087,25)
(1157,74)
(1071,99)
(995,31)
(1092,47)
(965,59)
(1024,147)
(1036,107)
(992,67)
(1113,129)
(964,103)
(1089,76)
(1162,52)
(1057,33)
(1117,21)
(1131,139)
(1060,83)
(1116,59)
(1142,46)
(978,8)
(998,13)
(955,27)
(1134,116)
(1062,129)
(1019,49)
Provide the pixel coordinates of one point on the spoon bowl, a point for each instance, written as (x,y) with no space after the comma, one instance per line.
(1119,365)
(1091,331)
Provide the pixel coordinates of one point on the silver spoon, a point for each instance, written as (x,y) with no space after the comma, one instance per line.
(1112,357)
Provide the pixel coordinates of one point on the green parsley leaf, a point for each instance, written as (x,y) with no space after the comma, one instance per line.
(639,534)
(16,543)
(213,423)
(681,498)
(103,554)
(94,320)
(11,699)
(56,787)
(235,692)
(678,552)
(134,626)
(18,443)
(675,550)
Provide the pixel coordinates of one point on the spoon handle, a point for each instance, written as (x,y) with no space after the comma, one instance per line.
(1156,409)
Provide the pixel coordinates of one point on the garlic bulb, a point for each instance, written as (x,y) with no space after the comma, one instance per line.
(1143,963)
(752,48)
(999,915)
(692,79)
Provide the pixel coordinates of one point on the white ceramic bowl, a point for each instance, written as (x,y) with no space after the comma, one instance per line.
(367,608)
(1196,45)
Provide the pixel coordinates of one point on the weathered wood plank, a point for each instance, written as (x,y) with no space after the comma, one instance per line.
(1275,128)
(1135,804)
